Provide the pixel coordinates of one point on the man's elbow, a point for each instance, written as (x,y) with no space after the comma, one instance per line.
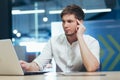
(93,68)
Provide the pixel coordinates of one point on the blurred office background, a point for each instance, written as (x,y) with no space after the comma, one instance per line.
(34,22)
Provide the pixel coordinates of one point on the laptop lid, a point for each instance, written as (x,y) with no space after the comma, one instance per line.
(9,63)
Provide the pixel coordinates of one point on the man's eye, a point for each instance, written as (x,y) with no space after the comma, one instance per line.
(63,21)
(69,21)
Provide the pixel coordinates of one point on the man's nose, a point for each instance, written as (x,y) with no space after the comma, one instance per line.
(66,25)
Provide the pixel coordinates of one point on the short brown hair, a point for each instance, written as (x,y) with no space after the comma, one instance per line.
(73,9)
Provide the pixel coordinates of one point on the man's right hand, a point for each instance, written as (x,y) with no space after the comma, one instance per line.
(29,66)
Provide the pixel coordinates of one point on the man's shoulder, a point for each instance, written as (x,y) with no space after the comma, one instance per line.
(58,37)
(90,40)
(89,37)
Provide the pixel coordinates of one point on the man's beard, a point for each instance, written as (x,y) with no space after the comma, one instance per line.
(70,34)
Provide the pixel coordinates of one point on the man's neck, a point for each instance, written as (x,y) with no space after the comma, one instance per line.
(71,39)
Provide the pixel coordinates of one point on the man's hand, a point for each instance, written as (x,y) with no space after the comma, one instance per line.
(80,28)
(29,66)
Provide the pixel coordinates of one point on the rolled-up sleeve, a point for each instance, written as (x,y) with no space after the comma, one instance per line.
(45,56)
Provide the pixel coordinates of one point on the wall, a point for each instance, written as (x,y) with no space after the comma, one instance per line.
(5,19)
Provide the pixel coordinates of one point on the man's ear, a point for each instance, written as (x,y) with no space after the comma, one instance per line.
(81,21)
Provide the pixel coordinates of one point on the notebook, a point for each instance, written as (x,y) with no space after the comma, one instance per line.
(9,62)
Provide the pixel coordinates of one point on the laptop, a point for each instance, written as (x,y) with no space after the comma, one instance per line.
(9,62)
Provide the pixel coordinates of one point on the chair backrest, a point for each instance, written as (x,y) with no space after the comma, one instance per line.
(21,52)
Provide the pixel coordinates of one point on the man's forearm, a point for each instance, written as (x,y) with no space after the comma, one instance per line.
(89,60)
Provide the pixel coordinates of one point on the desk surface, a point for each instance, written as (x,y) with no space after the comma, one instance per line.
(60,76)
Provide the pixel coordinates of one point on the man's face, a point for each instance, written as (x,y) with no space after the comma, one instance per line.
(69,23)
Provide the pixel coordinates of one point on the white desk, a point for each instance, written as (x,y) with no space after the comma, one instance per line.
(57,76)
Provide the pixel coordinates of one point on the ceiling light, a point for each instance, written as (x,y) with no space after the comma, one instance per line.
(97,10)
(18,34)
(85,11)
(45,19)
(17,12)
(55,12)
(15,31)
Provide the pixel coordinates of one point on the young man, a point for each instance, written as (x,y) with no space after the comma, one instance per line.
(72,51)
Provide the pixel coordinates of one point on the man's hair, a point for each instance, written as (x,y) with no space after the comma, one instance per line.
(75,10)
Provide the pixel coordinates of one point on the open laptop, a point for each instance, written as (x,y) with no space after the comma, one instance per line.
(9,63)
